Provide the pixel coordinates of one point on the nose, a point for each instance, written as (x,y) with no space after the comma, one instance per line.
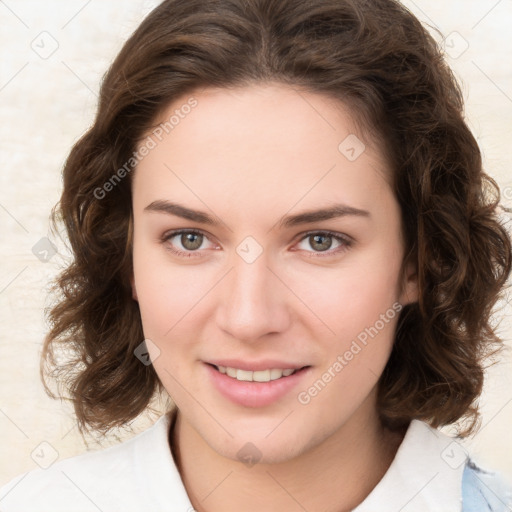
(253,301)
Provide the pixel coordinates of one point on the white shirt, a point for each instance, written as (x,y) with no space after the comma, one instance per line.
(140,475)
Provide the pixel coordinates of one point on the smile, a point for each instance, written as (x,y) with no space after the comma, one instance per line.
(256,388)
(255,376)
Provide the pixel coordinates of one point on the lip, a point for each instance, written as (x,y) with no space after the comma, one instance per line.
(264,364)
(254,394)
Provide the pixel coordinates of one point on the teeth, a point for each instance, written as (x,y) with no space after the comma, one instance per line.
(243,375)
(275,374)
(261,376)
(258,376)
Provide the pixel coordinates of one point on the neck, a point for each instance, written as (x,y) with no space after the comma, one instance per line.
(334,476)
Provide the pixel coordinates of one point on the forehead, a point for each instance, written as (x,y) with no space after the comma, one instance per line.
(260,146)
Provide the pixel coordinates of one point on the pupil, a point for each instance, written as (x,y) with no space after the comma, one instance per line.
(191,241)
(323,246)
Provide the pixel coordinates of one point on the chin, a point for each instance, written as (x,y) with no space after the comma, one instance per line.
(262,445)
(269,452)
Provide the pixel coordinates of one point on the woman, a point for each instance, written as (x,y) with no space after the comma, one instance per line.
(280,219)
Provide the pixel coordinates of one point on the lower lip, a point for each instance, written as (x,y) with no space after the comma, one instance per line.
(254,394)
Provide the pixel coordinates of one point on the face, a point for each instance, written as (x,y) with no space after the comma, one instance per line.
(235,272)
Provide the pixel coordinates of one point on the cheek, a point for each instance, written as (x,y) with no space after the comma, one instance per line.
(166,302)
(347,299)
(166,294)
(171,302)
(363,316)
(358,307)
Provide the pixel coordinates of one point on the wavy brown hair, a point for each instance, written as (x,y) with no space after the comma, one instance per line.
(377,59)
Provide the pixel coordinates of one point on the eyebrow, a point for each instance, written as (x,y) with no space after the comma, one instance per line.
(306,217)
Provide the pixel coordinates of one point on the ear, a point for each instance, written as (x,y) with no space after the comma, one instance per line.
(410,291)
(134,290)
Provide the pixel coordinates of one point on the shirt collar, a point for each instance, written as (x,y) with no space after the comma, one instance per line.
(425,475)
(153,453)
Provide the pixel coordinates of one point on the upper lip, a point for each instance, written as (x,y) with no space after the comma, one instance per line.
(265,364)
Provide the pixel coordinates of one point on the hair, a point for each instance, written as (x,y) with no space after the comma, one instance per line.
(379,61)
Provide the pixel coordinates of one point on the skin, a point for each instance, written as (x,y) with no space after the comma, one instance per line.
(248,157)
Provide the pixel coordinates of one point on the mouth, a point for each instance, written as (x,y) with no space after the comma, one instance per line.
(261,387)
(267,375)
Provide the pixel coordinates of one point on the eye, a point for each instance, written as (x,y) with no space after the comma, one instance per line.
(190,240)
(322,242)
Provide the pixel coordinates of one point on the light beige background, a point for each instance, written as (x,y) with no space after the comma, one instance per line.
(48,101)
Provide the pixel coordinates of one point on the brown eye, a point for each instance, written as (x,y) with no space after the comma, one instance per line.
(323,242)
(187,242)
(320,242)
(191,241)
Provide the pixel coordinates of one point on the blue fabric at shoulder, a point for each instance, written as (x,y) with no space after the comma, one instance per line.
(483,491)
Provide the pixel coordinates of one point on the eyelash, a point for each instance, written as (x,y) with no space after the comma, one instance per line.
(346,241)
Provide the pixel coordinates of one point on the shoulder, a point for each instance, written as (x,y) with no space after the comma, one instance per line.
(431,471)
(484,490)
(108,479)
(76,482)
